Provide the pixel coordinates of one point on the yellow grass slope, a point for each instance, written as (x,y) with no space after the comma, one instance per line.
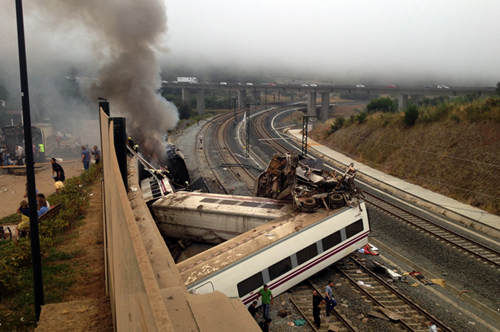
(454,155)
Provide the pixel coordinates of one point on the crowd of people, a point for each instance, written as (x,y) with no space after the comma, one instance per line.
(59,178)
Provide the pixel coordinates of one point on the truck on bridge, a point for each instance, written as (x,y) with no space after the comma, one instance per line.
(184,79)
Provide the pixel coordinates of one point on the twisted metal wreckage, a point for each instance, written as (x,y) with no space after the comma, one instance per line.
(287,178)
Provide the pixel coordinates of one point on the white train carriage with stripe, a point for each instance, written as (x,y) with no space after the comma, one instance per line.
(281,253)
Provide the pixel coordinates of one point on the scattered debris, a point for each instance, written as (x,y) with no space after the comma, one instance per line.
(440,282)
(420,277)
(286,178)
(369,249)
(283,313)
(380,268)
(377,314)
(361,283)
(394,316)
(299,322)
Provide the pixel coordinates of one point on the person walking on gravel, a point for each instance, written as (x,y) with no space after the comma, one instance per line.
(330,301)
(267,299)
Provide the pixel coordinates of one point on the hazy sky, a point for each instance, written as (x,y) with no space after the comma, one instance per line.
(450,40)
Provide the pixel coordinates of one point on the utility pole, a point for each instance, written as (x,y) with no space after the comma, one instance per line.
(235,104)
(30,172)
(247,145)
(305,133)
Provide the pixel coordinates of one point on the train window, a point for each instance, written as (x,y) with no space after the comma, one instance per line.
(228,202)
(209,200)
(280,268)
(307,253)
(272,206)
(250,204)
(250,284)
(354,228)
(331,240)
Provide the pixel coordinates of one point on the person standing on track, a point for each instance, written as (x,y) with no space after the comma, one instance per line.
(317,300)
(267,299)
(330,301)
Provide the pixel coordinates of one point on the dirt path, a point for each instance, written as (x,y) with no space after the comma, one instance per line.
(13,187)
(88,307)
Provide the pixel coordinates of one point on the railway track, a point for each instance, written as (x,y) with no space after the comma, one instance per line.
(302,301)
(230,159)
(467,245)
(486,254)
(217,183)
(381,294)
(410,315)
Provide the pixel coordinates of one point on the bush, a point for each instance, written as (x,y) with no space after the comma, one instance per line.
(336,125)
(361,117)
(383,104)
(411,115)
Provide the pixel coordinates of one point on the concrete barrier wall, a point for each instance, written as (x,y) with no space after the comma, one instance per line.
(135,297)
(145,288)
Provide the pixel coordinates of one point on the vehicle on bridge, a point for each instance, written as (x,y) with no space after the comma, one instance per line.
(191,80)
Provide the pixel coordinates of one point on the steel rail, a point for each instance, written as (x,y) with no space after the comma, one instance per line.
(470,246)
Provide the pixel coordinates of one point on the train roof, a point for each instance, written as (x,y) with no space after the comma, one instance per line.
(224,204)
(196,268)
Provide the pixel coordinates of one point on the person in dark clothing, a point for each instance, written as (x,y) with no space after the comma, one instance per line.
(57,170)
(96,153)
(264,325)
(253,308)
(317,300)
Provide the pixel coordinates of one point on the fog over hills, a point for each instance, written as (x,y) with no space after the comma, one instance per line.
(388,41)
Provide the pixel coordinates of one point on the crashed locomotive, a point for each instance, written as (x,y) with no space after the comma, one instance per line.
(288,178)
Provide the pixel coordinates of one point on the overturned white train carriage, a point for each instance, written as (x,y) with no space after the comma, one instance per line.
(281,255)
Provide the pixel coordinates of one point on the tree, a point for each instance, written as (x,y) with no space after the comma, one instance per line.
(383,104)
(498,88)
(411,115)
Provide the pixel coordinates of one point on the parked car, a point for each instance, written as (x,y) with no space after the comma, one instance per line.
(222,83)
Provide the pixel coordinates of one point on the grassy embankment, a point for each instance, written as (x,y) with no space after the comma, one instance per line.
(16,283)
(452,148)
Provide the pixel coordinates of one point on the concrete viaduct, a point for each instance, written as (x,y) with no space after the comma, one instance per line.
(257,93)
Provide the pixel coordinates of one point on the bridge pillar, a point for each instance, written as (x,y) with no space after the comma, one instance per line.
(262,97)
(311,102)
(185,95)
(200,101)
(403,102)
(322,114)
(242,96)
(252,96)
